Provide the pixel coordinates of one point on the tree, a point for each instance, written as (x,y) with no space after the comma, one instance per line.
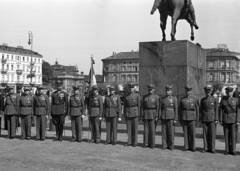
(47,72)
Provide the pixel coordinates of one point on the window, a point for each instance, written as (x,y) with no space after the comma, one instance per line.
(23,58)
(12,57)
(7,56)
(2,56)
(210,65)
(222,64)
(228,77)
(222,76)
(12,67)
(228,64)
(7,66)
(209,76)
(12,77)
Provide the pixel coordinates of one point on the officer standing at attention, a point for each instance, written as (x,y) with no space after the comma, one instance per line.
(59,109)
(169,116)
(25,106)
(132,106)
(76,112)
(95,111)
(209,118)
(41,110)
(112,105)
(189,113)
(11,111)
(229,117)
(150,115)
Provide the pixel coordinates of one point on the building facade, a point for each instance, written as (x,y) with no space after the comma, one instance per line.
(121,68)
(67,76)
(20,66)
(223,67)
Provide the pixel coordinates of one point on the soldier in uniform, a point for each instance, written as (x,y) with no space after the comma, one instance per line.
(59,109)
(76,112)
(41,110)
(25,106)
(229,117)
(95,111)
(189,113)
(169,116)
(112,106)
(11,111)
(132,106)
(209,118)
(150,115)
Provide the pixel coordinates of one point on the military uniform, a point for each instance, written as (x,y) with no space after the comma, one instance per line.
(95,108)
(76,110)
(189,113)
(169,114)
(150,114)
(112,106)
(132,112)
(229,116)
(11,112)
(59,109)
(41,109)
(208,117)
(25,106)
(2,99)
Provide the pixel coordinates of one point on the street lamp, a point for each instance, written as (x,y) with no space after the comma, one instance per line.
(30,43)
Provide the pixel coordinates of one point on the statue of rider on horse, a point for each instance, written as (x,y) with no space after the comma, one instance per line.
(177,9)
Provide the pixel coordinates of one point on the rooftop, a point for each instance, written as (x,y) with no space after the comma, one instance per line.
(123,55)
(222,52)
(18,50)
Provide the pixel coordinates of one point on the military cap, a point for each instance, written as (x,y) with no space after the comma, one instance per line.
(229,89)
(112,88)
(188,88)
(131,85)
(169,87)
(150,86)
(94,87)
(208,87)
(27,89)
(75,88)
(40,88)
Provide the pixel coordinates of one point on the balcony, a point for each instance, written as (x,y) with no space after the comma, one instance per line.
(4,71)
(4,60)
(19,72)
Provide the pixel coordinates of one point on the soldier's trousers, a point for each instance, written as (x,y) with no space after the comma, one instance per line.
(167,134)
(41,127)
(95,131)
(58,121)
(76,124)
(111,128)
(209,135)
(189,131)
(230,137)
(132,129)
(149,132)
(26,126)
(11,124)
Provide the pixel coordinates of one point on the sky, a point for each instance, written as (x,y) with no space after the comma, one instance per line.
(70,31)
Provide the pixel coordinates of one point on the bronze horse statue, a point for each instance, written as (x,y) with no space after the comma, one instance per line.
(177,9)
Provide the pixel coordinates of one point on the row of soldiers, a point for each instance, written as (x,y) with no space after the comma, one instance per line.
(130,106)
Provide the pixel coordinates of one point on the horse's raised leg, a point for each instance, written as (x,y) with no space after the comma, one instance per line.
(163,26)
(192,32)
(175,18)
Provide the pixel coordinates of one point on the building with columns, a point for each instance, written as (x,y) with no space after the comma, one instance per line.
(223,67)
(20,66)
(121,68)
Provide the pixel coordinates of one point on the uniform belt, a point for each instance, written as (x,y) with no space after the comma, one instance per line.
(26,106)
(132,106)
(189,109)
(150,108)
(169,108)
(95,106)
(76,106)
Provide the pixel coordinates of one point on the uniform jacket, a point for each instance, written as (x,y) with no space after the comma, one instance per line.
(10,105)
(112,106)
(208,109)
(150,106)
(2,98)
(189,109)
(25,105)
(41,105)
(95,106)
(169,108)
(229,110)
(76,105)
(59,103)
(132,104)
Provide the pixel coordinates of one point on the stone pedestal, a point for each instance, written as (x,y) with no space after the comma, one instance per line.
(179,63)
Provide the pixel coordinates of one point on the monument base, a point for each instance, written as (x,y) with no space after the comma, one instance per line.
(178,63)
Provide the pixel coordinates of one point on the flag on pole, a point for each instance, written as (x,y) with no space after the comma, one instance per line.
(92,76)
